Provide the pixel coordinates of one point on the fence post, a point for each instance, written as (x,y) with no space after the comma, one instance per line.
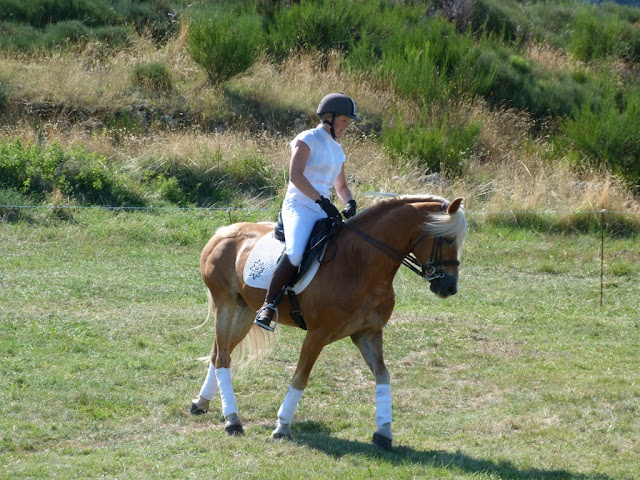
(602,214)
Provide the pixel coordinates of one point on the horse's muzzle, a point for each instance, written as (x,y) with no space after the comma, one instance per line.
(444,286)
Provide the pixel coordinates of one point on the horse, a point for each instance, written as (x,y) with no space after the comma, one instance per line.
(351,295)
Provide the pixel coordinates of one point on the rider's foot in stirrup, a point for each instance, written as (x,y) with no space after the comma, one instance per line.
(264,317)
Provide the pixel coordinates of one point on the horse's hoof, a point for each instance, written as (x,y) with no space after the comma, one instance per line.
(234,430)
(382,442)
(233,426)
(199,406)
(282,432)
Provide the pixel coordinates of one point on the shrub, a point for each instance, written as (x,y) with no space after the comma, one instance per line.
(500,18)
(4,94)
(113,36)
(323,25)
(64,32)
(152,77)
(593,36)
(436,148)
(525,86)
(224,42)
(431,61)
(217,180)
(630,42)
(606,132)
(32,24)
(11,202)
(40,14)
(25,38)
(38,171)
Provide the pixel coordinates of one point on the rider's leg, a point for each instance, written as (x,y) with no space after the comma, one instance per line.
(282,276)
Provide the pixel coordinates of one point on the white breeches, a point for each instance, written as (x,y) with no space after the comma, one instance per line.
(298,223)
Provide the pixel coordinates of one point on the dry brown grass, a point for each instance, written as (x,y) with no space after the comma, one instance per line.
(551,58)
(91,79)
(508,170)
(310,76)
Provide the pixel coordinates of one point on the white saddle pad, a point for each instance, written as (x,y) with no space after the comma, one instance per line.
(262,263)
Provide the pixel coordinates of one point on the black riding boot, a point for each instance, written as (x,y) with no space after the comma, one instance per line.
(281,277)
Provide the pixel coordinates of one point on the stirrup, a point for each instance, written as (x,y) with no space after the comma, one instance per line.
(266,323)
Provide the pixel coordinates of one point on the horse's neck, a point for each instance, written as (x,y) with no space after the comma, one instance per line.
(380,244)
(396,228)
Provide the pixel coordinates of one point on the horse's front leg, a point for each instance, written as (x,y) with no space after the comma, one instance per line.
(370,346)
(311,348)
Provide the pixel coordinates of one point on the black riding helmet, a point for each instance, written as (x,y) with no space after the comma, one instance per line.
(337,104)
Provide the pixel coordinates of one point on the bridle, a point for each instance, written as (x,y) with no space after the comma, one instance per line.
(432,270)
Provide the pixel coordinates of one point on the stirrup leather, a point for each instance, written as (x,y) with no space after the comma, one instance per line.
(262,322)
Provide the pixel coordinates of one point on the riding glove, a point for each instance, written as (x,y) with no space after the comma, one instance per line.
(328,207)
(350,210)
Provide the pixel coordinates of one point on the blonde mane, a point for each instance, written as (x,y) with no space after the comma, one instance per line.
(439,224)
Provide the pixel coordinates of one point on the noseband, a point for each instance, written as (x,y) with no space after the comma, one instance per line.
(434,268)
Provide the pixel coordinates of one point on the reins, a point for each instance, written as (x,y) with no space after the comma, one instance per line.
(429,271)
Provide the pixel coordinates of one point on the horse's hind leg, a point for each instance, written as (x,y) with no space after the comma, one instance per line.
(200,405)
(233,322)
(370,346)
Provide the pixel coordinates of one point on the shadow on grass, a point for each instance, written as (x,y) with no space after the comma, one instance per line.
(322,441)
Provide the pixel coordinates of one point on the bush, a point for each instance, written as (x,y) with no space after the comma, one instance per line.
(595,36)
(430,61)
(325,25)
(65,32)
(24,38)
(436,148)
(523,85)
(11,202)
(606,132)
(152,77)
(37,171)
(216,182)
(505,20)
(28,25)
(40,14)
(4,94)
(224,42)
(630,43)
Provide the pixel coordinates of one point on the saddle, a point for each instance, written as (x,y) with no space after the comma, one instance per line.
(265,254)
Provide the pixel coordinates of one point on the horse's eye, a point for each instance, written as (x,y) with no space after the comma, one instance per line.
(449,241)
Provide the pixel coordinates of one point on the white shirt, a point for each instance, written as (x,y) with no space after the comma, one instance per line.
(323,165)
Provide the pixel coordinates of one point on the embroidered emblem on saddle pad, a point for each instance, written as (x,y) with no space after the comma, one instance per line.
(262,263)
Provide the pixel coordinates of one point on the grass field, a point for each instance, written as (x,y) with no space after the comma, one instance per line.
(520,375)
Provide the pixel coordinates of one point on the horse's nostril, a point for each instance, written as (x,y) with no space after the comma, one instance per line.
(452,290)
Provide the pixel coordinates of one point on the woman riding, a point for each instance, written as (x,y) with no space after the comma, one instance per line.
(316,165)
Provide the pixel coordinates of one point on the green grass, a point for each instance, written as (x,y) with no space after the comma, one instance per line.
(521,375)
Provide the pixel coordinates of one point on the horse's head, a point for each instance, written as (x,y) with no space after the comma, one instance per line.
(439,245)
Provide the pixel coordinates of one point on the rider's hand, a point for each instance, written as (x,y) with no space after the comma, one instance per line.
(328,207)
(350,210)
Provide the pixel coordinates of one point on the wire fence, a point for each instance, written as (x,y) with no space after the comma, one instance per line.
(229,210)
(271,209)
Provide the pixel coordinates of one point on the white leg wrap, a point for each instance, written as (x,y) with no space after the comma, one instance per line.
(288,407)
(226,391)
(383,404)
(210,385)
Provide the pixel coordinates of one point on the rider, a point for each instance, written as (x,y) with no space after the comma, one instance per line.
(316,165)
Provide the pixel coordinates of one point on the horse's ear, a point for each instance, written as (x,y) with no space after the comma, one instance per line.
(455,205)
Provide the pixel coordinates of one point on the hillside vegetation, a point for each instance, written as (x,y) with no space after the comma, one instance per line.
(515,105)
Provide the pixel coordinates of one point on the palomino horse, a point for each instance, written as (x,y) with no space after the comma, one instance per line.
(351,295)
